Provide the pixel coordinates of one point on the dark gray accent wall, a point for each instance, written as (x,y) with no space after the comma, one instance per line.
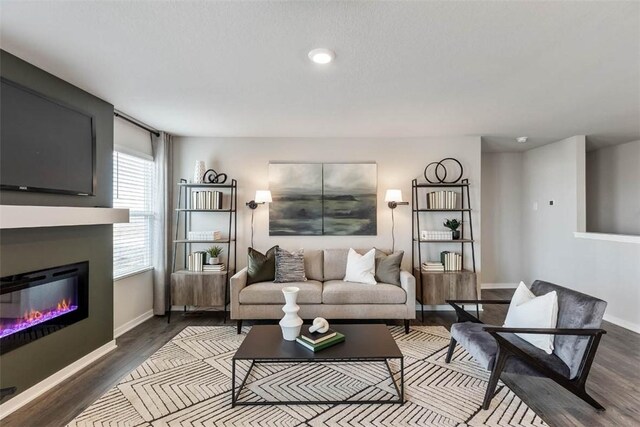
(25,250)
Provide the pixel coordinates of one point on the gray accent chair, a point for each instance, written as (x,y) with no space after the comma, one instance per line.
(498,349)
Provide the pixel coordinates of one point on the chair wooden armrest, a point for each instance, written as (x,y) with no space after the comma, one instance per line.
(551,331)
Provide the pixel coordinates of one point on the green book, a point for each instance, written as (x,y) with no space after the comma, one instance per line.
(324,344)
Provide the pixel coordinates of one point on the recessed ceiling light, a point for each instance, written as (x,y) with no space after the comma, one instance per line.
(522,139)
(322,56)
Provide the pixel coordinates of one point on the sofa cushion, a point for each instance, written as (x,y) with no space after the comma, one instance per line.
(313,265)
(483,347)
(335,262)
(340,292)
(289,266)
(388,267)
(271,293)
(261,267)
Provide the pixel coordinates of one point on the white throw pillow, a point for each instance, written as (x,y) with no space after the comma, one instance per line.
(529,311)
(361,268)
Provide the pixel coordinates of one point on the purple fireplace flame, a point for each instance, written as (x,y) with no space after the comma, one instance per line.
(35,317)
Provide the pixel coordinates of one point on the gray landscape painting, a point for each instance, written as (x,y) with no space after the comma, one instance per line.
(349,194)
(296,190)
(323,199)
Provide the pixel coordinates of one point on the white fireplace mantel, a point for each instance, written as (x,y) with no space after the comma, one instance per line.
(18,216)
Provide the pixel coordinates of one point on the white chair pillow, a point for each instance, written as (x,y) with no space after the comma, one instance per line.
(529,311)
(361,268)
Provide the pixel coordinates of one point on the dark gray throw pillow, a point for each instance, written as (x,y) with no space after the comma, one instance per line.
(388,267)
(261,267)
(289,266)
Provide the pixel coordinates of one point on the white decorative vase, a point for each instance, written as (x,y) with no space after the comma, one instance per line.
(198,172)
(291,322)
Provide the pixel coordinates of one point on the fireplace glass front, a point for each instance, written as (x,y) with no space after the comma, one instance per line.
(38,303)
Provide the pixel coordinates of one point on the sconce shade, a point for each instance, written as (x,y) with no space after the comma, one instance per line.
(263,196)
(393,195)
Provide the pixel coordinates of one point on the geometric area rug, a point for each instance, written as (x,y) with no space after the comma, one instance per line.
(187,382)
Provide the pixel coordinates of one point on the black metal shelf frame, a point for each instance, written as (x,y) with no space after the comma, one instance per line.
(465,208)
(184,207)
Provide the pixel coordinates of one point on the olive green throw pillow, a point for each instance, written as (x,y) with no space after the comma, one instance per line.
(261,267)
(388,267)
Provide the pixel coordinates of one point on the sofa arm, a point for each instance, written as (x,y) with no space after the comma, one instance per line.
(237,283)
(408,284)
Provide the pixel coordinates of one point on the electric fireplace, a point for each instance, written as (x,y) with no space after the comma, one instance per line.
(38,303)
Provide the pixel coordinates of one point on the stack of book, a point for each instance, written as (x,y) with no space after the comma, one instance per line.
(213,267)
(442,200)
(195,261)
(316,341)
(204,235)
(452,261)
(432,266)
(435,235)
(206,200)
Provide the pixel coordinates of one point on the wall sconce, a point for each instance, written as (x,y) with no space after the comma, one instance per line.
(393,198)
(262,197)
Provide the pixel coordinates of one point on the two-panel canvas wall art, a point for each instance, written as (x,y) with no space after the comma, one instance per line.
(315,199)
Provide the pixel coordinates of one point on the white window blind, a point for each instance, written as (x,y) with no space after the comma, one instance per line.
(132,189)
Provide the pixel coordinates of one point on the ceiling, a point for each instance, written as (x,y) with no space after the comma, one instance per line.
(548,70)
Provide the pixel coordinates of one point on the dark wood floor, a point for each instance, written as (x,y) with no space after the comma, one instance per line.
(614,380)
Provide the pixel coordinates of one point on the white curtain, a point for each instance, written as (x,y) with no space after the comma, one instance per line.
(162,146)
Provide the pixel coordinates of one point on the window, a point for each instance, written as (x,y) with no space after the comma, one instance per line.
(132,189)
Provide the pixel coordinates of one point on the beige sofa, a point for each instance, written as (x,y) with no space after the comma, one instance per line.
(325,294)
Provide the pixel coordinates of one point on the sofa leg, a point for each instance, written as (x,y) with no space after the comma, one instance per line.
(239,323)
(498,366)
(452,346)
(407,323)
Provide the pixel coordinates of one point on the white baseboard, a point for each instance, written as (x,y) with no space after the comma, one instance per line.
(132,323)
(498,286)
(48,383)
(622,323)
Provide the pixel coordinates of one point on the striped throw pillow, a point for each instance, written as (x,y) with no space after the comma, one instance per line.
(289,266)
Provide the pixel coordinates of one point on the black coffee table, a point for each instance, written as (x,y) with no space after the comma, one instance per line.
(364,343)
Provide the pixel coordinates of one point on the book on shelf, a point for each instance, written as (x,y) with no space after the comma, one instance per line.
(452,261)
(442,199)
(208,200)
(195,261)
(316,337)
(432,266)
(204,235)
(213,267)
(338,338)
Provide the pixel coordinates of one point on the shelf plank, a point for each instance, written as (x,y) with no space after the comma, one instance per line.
(442,210)
(444,241)
(204,210)
(204,241)
(204,185)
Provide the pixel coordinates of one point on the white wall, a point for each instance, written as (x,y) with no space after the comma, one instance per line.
(133,301)
(613,190)
(501,219)
(399,161)
(133,295)
(605,269)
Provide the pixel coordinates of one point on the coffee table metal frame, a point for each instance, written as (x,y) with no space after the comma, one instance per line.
(235,393)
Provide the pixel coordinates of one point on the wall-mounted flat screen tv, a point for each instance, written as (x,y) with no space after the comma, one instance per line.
(45,145)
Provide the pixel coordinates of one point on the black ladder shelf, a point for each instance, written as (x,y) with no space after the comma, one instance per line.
(185,208)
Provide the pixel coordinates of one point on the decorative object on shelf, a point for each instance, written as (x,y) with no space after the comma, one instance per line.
(437,200)
(439,171)
(291,322)
(262,197)
(323,199)
(393,197)
(213,177)
(206,200)
(453,225)
(204,235)
(435,235)
(214,254)
(320,325)
(198,172)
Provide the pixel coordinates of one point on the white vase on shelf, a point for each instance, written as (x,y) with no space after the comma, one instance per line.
(198,172)
(291,322)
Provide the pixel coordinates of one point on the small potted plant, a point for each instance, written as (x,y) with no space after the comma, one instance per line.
(214,254)
(453,225)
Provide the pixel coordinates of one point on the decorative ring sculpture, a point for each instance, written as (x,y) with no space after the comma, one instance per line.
(213,177)
(320,325)
(441,168)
